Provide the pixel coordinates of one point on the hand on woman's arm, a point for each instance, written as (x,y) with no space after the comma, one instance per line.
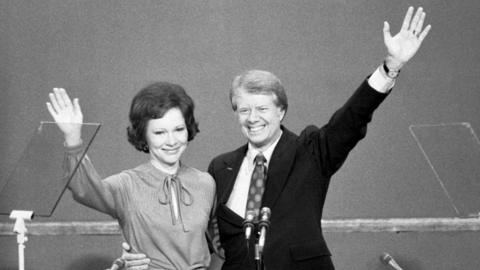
(133,260)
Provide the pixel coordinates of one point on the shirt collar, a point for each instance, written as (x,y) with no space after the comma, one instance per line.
(267,153)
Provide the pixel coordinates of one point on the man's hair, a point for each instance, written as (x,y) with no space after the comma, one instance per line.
(152,102)
(259,82)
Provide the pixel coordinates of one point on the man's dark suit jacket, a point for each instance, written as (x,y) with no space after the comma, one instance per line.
(297,181)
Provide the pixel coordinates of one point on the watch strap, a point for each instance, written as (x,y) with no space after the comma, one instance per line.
(391,73)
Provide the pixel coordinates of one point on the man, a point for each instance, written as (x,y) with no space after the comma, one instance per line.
(298,167)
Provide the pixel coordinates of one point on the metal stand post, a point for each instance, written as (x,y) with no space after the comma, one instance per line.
(21,230)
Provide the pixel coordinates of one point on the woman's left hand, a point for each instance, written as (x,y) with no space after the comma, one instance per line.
(67,115)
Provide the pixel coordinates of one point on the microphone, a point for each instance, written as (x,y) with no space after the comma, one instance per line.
(248,225)
(388,260)
(263,225)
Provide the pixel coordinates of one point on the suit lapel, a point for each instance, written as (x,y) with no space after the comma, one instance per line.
(279,167)
(229,174)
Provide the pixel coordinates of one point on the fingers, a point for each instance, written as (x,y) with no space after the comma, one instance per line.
(134,261)
(416,24)
(138,264)
(51,110)
(126,247)
(59,99)
(406,20)
(419,23)
(65,98)
(76,107)
(62,97)
(133,256)
(416,20)
(54,103)
(386,31)
(424,33)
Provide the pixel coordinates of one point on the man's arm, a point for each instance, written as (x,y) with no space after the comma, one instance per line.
(348,125)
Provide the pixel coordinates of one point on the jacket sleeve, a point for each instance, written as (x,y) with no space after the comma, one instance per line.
(213,234)
(331,144)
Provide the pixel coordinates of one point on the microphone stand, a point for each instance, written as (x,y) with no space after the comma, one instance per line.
(249,228)
(19,228)
(258,258)
(388,260)
(263,226)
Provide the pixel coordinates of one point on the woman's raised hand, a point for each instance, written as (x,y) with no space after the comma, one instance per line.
(67,115)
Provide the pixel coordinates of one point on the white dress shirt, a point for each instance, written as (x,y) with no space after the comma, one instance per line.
(239,196)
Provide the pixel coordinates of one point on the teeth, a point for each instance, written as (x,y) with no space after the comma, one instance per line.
(254,129)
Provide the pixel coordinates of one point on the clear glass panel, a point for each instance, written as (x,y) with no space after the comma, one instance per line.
(452,151)
(38,180)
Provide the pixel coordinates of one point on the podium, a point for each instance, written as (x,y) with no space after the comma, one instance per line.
(38,180)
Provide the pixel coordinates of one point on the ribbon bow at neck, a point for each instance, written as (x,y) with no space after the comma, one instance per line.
(173,185)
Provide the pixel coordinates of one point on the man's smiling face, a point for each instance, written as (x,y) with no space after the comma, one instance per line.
(259,117)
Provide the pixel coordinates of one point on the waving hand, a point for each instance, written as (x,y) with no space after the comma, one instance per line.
(405,43)
(67,115)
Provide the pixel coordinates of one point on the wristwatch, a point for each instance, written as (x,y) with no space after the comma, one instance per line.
(391,73)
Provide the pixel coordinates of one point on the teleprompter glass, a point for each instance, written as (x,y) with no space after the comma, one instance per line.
(452,151)
(38,180)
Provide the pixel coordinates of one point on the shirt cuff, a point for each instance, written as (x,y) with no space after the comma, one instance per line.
(380,82)
(75,149)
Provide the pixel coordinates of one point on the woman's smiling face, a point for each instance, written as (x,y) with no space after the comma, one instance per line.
(167,138)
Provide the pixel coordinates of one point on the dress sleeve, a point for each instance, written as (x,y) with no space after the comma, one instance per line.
(87,186)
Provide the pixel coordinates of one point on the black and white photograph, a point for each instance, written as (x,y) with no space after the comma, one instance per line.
(239,135)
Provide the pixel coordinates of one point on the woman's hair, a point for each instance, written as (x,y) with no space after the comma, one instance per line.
(259,82)
(152,102)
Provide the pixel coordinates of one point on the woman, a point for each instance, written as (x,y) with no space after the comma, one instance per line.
(163,206)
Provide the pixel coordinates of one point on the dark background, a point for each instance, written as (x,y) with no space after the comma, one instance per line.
(103,52)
